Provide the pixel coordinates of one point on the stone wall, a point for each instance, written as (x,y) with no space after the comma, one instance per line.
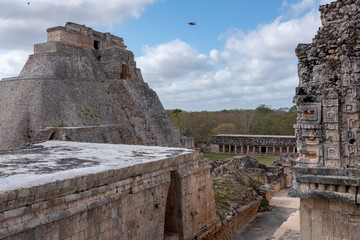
(82,36)
(323,219)
(287,162)
(227,230)
(151,193)
(327,129)
(187,141)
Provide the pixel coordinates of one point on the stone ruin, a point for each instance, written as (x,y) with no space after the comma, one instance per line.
(81,85)
(327,129)
(287,162)
(241,180)
(74,190)
(252,144)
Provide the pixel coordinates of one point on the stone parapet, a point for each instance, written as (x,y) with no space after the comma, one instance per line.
(228,229)
(75,190)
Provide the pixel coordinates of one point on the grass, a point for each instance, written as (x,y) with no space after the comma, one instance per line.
(226,190)
(266,160)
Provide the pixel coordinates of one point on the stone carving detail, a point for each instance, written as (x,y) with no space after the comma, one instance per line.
(309,113)
(328,91)
(327,128)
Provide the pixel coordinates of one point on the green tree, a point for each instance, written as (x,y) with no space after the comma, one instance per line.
(225,128)
(263,120)
(263,109)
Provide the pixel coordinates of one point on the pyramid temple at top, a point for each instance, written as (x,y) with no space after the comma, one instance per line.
(81,85)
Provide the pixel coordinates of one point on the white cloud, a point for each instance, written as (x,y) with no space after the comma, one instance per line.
(171,61)
(322,2)
(19,19)
(23,24)
(253,68)
(11,63)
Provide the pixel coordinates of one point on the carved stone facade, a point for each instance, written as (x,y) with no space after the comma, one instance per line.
(327,129)
(82,85)
(253,144)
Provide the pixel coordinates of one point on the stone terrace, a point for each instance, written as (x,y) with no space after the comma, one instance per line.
(72,190)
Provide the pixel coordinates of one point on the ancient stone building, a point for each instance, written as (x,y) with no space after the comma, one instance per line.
(252,144)
(81,85)
(327,129)
(71,190)
(287,161)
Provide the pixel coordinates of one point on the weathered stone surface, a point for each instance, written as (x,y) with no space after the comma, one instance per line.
(287,162)
(82,85)
(109,191)
(327,174)
(328,105)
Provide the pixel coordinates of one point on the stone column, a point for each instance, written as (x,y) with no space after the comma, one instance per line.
(247,149)
(280,150)
(242,149)
(273,150)
(223,148)
(235,149)
(287,149)
(267,149)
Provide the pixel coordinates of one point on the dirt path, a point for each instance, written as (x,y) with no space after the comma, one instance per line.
(273,224)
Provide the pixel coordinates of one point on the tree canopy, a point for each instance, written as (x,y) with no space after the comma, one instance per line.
(261,121)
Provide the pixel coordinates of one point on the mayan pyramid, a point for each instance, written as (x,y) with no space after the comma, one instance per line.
(81,85)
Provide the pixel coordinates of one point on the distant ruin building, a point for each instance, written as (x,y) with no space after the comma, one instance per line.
(327,129)
(253,144)
(81,85)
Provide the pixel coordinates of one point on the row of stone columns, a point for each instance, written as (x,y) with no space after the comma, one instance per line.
(246,149)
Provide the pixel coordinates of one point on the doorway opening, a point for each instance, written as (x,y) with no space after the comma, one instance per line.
(96,44)
(173,214)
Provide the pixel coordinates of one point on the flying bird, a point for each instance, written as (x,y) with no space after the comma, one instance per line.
(28,3)
(192,23)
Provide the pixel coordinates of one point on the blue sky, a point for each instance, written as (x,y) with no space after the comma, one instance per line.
(167,20)
(238,56)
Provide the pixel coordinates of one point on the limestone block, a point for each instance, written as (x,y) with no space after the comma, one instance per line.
(328,223)
(305,223)
(330,115)
(321,204)
(309,113)
(332,151)
(351,106)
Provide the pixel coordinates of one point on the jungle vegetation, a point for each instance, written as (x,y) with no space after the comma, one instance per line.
(260,121)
